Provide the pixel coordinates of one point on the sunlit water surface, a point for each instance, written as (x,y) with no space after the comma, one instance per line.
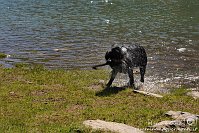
(76,34)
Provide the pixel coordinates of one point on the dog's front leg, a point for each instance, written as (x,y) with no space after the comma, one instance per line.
(142,72)
(130,74)
(113,75)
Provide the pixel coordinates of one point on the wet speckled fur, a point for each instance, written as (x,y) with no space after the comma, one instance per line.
(123,59)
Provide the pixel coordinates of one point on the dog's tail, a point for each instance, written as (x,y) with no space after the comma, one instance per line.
(95,67)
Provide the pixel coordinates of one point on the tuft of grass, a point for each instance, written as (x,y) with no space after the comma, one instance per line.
(179,91)
(2,55)
(41,100)
(21,65)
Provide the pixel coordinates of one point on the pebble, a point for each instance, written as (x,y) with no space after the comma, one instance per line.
(181,49)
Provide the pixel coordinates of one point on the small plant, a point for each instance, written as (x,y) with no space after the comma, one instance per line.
(2,55)
(179,91)
(21,65)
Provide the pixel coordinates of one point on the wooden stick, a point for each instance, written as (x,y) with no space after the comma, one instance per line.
(95,67)
(148,93)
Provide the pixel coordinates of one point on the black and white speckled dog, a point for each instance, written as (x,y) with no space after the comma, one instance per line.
(123,59)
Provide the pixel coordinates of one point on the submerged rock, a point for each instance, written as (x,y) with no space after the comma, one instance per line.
(181,49)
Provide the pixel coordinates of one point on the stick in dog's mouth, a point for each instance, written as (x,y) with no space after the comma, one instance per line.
(95,67)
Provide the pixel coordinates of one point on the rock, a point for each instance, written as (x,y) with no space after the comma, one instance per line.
(183,120)
(8,55)
(111,126)
(174,114)
(136,71)
(194,94)
(193,89)
(166,125)
(60,49)
(185,117)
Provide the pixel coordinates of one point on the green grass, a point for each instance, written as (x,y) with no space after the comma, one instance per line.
(2,55)
(39,100)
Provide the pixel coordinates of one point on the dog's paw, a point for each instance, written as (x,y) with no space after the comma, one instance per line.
(108,85)
(94,68)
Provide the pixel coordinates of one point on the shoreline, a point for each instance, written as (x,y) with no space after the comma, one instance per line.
(37,99)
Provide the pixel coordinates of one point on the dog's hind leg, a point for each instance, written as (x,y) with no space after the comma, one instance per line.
(113,75)
(130,74)
(142,72)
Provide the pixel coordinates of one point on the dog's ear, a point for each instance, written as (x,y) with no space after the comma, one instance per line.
(118,53)
(116,50)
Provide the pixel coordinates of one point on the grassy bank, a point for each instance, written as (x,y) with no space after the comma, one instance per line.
(2,55)
(39,100)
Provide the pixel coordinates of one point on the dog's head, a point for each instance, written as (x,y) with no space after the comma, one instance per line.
(115,56)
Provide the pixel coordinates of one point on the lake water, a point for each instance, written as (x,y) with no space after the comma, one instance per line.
(76,34)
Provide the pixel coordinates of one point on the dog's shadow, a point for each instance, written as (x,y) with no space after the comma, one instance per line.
(110,91)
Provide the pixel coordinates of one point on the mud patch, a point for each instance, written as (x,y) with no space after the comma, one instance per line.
(97,86)
(49,100)
(14,94)
(39,92)
(75,108)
